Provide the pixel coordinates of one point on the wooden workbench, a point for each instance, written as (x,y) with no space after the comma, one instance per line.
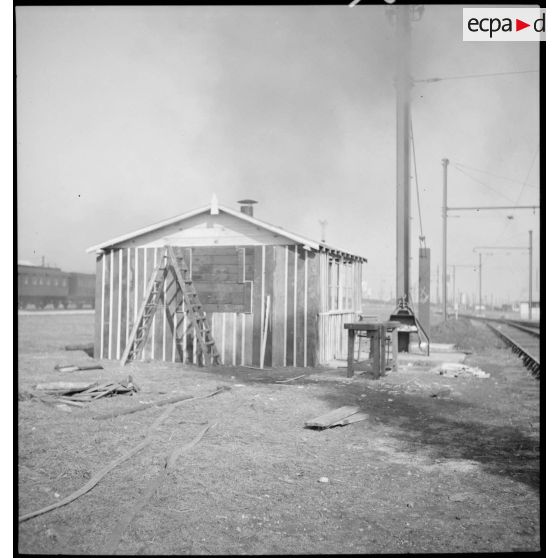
(377,333)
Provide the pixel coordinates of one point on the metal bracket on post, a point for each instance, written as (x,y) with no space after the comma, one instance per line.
(406,317)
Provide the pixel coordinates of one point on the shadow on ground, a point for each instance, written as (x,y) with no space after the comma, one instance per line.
(443,428)
(426,424)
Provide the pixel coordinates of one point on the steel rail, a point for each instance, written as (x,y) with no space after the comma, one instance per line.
(529,361)
(529,327)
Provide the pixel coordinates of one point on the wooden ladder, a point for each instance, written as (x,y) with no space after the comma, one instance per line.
(193,309)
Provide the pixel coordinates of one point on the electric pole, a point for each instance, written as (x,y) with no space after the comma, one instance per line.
(437,284)
(403,16)
(530,275)
(480,282)
(444,237)
(403,86)
(453,297)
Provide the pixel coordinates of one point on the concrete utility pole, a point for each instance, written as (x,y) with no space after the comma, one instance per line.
(445,163)
(480,282)
(530,275)
(453,277)
(437,284)
(403,84)
(403,16)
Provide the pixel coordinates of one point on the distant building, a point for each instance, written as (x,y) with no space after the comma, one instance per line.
(535,310)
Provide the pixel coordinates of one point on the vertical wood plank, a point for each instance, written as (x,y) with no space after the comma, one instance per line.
(186,356)
(314,307)
(164,318)
(106,299)
(239,339)
(123,300)
(290,308)
(234,335)
(249,339)
(295,307)
(156,319)
(136,283)
(258,302)
(278,308)
(243,337)
(173,345)
(305,310)
(269,291)
(224,351)
(285,308)
(300,308)
(99,307)
(110,304)
(143,293)
(119,306)
(129,289)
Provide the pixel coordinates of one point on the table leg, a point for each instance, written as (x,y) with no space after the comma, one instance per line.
(382,351)
(394,349)
(376,357)
(351,355)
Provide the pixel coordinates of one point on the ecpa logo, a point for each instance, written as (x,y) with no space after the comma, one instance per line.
(504,24)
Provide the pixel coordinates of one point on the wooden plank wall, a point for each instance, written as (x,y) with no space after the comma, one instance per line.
(332,336)
(300,330)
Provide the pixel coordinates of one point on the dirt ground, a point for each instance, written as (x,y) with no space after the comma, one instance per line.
(458,472)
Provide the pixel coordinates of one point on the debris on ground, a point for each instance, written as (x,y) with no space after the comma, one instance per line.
(323,479)
(459,497)
(455,370)
(75,368)
(160,403)
(441,392)
(79,393)
(337,417)
(63,407)
(290,379)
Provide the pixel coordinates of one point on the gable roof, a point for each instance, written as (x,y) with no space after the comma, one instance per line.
(299,239)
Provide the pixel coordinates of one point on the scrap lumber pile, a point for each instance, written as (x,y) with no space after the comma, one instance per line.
(80,393)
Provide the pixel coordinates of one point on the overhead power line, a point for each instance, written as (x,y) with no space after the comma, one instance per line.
(483,184)
(505,228)
(469,76)
(528,174)
(492,174)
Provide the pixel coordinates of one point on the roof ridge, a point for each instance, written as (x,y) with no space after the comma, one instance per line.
(312,244)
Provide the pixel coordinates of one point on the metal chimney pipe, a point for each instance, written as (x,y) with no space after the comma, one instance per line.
(247,207)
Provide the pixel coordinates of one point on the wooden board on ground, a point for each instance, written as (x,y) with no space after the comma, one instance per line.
(329,419)
(66,387)
(357,417)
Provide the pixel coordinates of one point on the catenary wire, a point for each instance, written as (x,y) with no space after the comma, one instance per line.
(455,163)
(484,184)
(421,238)
(436,79)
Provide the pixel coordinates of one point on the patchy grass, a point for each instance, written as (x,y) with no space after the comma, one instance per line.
(458,473)
(466,334)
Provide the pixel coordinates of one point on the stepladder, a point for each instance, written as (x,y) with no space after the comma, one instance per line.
(187,310)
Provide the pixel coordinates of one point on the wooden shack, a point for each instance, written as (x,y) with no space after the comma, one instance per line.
(237,263)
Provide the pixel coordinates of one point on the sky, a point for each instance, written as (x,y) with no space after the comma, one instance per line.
(130,115)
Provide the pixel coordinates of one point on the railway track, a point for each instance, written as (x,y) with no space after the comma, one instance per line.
(522,337)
